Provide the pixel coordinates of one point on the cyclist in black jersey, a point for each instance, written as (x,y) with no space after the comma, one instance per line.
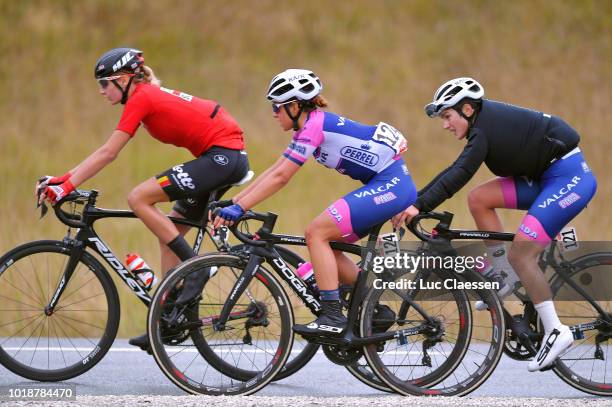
(540,169)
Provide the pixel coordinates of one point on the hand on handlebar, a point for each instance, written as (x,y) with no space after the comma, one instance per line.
(404,216)
(47,180)
(55,193)
(227,216)
(217,204)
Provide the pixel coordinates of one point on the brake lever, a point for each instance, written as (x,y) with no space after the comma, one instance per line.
(401,231)
(43,206)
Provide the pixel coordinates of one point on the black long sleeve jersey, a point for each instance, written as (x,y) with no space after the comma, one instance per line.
(511,141)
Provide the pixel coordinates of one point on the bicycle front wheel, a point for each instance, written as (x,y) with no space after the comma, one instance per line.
(587,365)
(239,359)
(442,345)
(58,345)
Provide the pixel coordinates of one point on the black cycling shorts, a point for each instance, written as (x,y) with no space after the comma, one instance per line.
(190,183)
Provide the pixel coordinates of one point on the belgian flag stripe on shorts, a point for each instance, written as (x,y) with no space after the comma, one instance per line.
(163,181)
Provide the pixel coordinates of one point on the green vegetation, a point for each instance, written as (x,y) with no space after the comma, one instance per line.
(379,60)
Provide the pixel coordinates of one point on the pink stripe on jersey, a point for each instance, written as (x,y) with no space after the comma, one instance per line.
(295,156)
(509,192)
(533,229)
(341,214)
(306,140)
(312,132)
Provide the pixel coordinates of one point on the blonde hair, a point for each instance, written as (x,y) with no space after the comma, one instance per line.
(317,102)
(320,101)
(149,76)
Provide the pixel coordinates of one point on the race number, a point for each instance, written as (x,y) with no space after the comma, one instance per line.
(389,135)
(389,244)
(568,239)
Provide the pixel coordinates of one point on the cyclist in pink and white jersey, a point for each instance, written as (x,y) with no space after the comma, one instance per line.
(370,154)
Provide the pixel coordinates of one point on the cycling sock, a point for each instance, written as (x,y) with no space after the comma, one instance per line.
(329,295)
(548,315)
(499,264)
(498,258)
(181,248)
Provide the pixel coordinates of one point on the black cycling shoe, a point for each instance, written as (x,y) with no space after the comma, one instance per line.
(330,322)
(192,286)
(142,341)
(383,318)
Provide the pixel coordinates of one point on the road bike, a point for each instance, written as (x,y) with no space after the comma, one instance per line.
(430,339)
(586,366)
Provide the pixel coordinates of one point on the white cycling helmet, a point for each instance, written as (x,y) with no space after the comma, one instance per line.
(451,93)
(294,84)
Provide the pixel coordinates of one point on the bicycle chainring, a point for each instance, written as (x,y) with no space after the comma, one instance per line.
(342,357)
(513,348)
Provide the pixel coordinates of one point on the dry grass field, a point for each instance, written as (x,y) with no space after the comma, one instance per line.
(379,61)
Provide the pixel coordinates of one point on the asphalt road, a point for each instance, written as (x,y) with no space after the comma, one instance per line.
(129,376)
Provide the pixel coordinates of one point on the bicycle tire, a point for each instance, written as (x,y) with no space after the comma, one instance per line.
(567,366)
(298,357)
(447,379)
(15,268)
(177,367)
(309,349)
(362,371)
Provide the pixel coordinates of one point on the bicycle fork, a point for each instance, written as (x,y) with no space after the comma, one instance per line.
(77,248)
(238,289)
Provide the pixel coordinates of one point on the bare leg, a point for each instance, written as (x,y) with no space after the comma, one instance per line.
(168,258)
(523,257)
(142,200)
(347,269)
(482,202)
(319,233)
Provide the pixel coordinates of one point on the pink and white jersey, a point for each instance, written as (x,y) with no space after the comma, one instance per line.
(349,147)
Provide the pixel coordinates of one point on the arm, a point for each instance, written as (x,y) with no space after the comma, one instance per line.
(456,176)
(277,177)
(273,179)
(255,184)
(87,169)
(99,158)
(433,181)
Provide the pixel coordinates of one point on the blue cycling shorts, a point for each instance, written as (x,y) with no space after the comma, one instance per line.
(385,195)
(564,189)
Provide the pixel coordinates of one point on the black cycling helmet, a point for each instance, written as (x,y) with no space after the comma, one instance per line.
(119,61)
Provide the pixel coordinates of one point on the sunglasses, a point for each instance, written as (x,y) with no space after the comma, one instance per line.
(103,82)
(276,107)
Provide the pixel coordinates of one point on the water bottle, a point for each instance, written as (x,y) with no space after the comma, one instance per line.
(138,266)
(304,271)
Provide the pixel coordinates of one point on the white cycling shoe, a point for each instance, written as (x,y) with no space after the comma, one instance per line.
(555,343)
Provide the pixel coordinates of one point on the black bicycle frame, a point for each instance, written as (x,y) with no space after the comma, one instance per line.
(87,237)
(443,233)
(256,256)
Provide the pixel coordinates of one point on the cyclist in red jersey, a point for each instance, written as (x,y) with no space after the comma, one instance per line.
(201,126)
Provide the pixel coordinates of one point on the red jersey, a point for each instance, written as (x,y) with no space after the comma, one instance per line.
(177,118)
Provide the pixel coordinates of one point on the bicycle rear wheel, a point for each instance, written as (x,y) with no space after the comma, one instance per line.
(71,340)
(587,365)
(245,356)
(452,364)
